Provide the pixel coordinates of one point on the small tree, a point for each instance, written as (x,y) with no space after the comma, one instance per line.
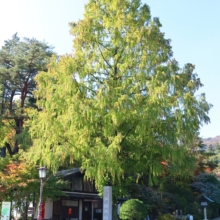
(133,209)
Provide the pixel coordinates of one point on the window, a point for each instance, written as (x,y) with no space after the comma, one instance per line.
(70,203)
(76,183)
(56,207)
(88,186)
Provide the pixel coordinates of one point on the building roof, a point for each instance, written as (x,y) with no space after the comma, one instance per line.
(68,172)
(210,200)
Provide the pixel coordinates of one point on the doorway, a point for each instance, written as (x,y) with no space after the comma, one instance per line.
(87,210)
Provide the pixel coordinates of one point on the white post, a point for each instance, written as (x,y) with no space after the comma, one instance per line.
(205,214)
(107,203)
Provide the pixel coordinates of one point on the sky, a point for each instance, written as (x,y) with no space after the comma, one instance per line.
(193,27)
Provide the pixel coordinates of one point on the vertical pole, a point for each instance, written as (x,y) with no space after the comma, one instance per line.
(10,210)
(26,210)
(39,215)
(34,208)
(205,214)
(107,203)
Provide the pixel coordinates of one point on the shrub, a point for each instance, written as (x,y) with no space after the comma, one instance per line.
(133,209)
(166,217)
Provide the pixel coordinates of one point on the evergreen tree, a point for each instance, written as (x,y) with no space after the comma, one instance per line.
(20,61)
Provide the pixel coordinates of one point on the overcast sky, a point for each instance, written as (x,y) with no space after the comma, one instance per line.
(193,27)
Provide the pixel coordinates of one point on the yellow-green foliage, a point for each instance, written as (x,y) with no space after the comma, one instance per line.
(119,104)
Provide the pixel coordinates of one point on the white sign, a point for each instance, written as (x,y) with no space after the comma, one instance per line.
(6,207)
(204,203)
(107,203)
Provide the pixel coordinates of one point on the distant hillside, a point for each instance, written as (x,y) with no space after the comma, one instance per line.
(211,141)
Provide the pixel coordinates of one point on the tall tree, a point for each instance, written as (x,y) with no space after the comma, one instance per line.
(19,63)
(120,104)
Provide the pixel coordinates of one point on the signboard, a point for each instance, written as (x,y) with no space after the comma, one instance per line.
(6,207)
(70,211)
(43,210)
(107,203)
(204,203)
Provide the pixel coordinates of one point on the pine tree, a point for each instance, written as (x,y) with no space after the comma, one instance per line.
(20,61)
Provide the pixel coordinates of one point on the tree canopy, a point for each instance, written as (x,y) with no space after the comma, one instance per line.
(20,181)
(120,104)
(20,61)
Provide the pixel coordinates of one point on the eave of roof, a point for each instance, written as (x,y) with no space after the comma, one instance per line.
(210,200)
(68,172)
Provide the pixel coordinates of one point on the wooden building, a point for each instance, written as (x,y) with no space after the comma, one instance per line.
(81,202)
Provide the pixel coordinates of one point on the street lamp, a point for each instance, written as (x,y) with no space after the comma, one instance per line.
(42,174)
